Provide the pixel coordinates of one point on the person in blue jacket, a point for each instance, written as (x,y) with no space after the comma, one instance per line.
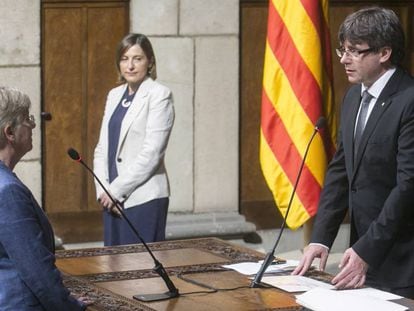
(29,278)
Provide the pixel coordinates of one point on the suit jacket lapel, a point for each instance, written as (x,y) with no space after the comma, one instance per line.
(134,110)
(114,101)
(381,105)
(349,126)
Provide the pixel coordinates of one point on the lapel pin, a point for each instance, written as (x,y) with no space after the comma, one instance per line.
(383,103)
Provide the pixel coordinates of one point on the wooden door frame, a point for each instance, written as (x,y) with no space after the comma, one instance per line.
(82,225)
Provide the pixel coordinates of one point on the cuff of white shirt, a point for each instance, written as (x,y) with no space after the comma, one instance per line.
(320,245)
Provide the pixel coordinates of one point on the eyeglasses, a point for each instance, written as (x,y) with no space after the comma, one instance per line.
(31,120)
(352,52)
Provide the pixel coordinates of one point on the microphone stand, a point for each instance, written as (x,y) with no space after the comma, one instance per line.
(158,267)
(270,255)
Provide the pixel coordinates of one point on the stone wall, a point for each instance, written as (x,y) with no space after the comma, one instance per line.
(197,44)
(197,49)
(20,68)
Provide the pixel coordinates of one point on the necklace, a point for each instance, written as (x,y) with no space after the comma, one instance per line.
(126,103)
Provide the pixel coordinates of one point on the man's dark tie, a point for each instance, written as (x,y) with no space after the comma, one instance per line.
(366,98)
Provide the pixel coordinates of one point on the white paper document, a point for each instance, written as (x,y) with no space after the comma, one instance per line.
(374,293)
(321,299)
(295,283)
(250,268)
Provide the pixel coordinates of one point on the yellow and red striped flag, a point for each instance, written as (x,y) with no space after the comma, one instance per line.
(297,90)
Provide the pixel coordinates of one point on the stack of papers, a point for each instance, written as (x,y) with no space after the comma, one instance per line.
(321,296)
(321,299)
(295,283)
(250,268)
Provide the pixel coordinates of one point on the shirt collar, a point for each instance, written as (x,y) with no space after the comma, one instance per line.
(376,89)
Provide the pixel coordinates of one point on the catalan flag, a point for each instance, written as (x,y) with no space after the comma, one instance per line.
(297,90)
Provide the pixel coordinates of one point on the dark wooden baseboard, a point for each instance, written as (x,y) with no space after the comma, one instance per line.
(264,214)
(78,227)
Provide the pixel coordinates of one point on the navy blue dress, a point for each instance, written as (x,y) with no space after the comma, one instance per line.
(149,218)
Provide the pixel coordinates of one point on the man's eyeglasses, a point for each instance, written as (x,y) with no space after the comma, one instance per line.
(352,52)
(31,119)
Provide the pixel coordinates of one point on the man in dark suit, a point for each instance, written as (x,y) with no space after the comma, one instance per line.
(372,173)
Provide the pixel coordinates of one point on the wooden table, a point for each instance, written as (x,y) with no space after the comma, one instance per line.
(112,275)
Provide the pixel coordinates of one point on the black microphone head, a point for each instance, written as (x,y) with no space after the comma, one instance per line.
(74,155)
(320,124)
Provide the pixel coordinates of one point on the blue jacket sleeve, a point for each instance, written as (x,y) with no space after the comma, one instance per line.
(23,239)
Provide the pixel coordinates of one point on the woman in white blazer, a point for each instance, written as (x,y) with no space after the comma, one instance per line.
(129,156)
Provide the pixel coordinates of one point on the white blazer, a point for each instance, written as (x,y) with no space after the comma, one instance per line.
(144,135)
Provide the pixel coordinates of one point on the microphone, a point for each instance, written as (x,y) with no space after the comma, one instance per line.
(158,267)
(320,124)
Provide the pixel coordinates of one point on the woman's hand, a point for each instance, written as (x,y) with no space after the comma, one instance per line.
(108,205)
